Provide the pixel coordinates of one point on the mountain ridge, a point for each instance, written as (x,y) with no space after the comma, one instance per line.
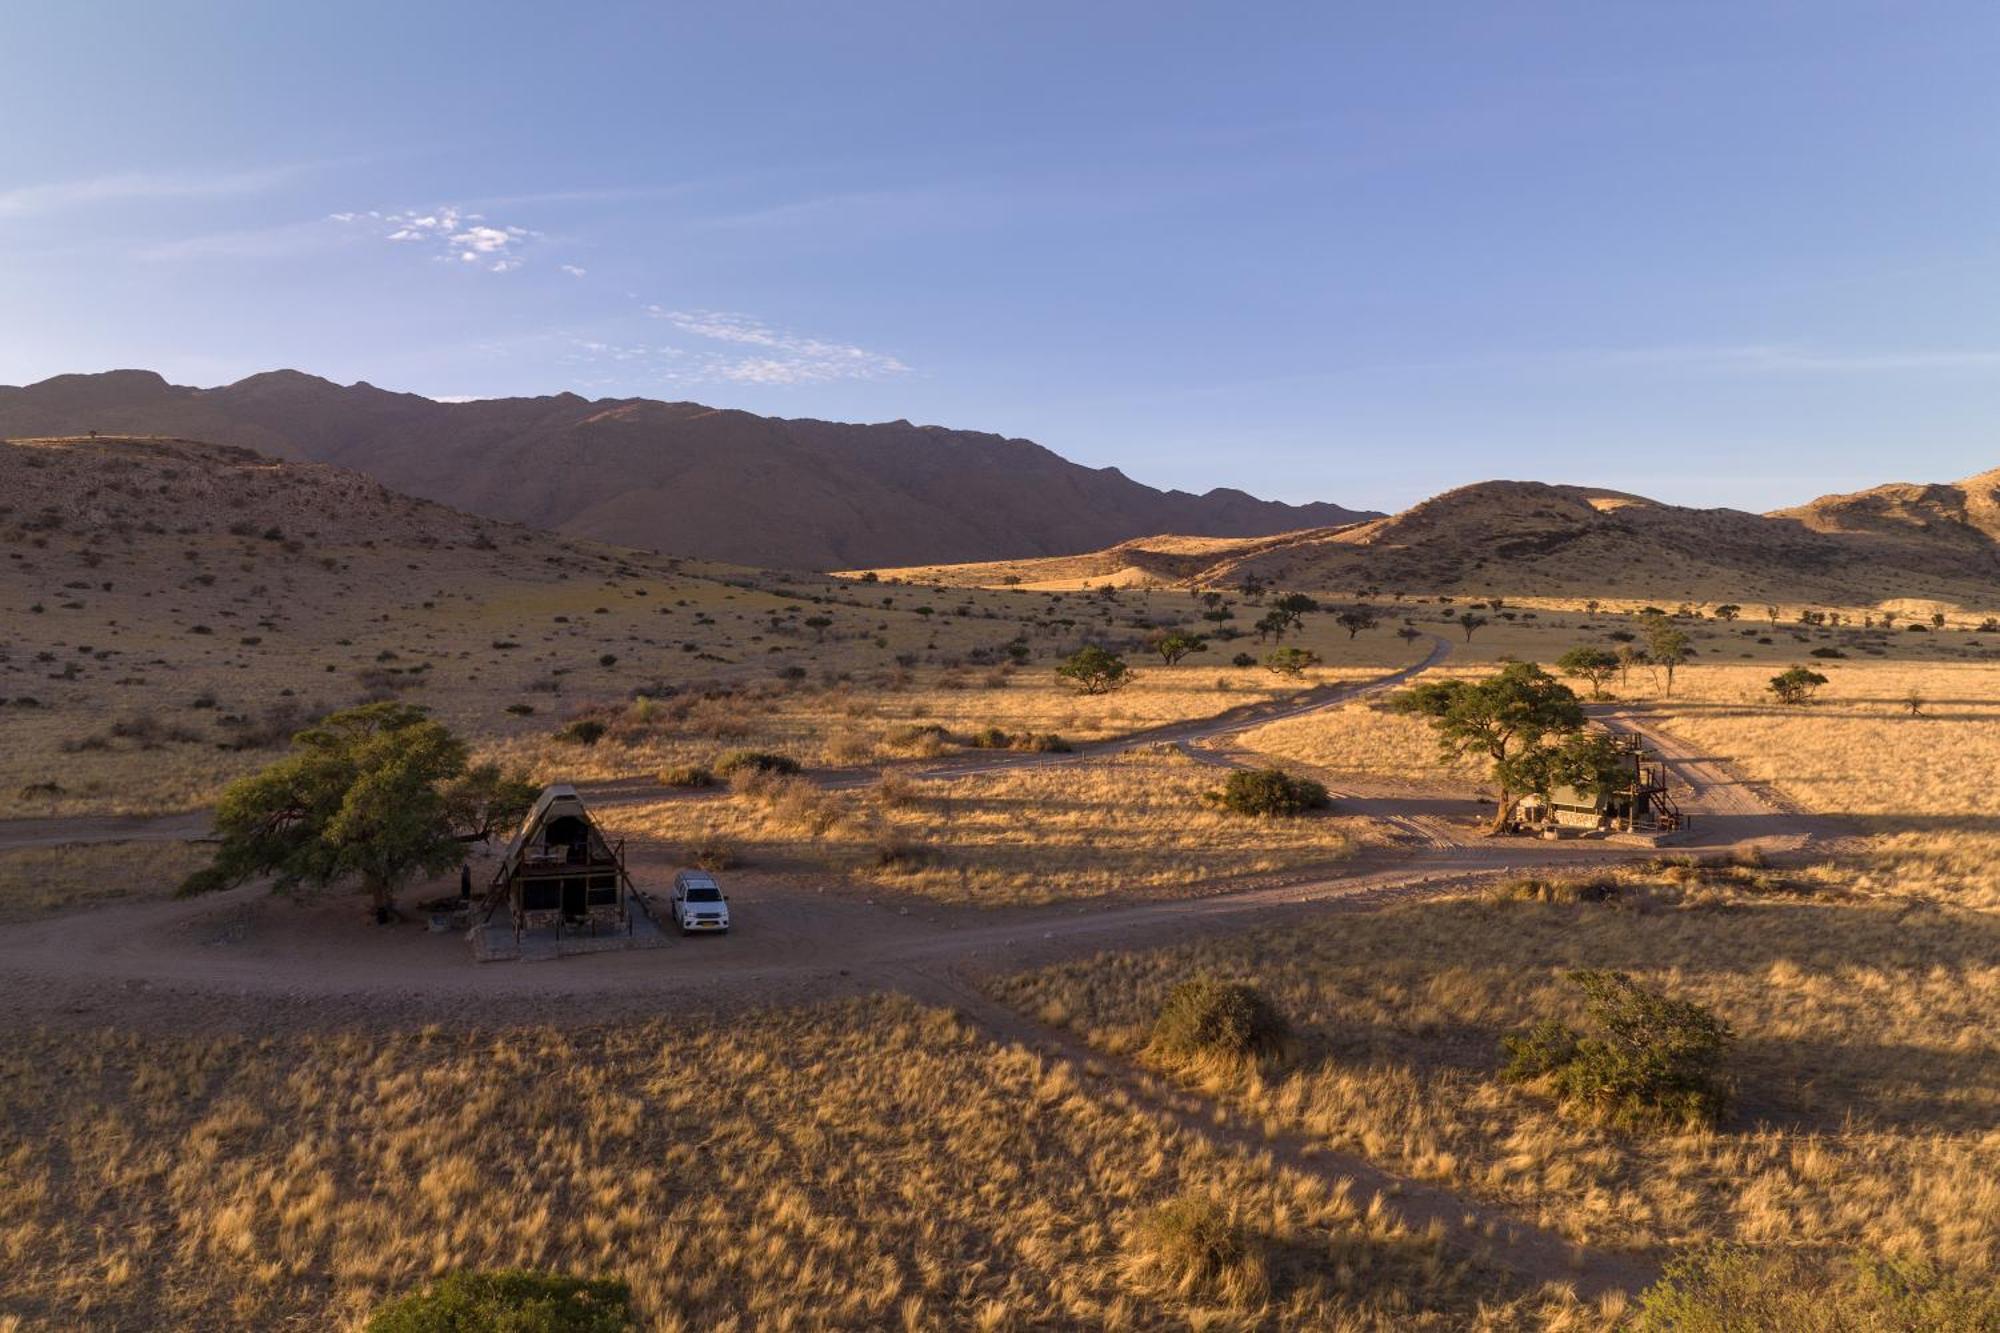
(683,477)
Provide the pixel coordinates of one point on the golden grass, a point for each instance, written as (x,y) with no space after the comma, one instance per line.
(1923,785)
(871,1164)
(890,716)
(1134,824)
(1869,1066)
(39,881)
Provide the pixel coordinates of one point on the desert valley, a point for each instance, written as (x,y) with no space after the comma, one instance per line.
(1109,943)
(970,668)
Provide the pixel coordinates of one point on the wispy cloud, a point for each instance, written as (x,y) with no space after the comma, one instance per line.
(126,187)
(783,357)
(451,235)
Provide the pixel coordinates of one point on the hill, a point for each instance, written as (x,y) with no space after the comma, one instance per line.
(170,609)
(679,477)
(1529,539)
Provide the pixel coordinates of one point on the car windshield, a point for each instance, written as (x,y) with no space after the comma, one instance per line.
(704,893)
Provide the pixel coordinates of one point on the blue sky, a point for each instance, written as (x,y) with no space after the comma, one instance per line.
(1716,253)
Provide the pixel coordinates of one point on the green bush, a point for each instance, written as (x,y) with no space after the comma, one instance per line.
(1271,791)
(759,761)
(687,775)
(1647,1060)
(1208,1018)
(510,1302)
(583,731)
(1729,1289)
(1194,1247)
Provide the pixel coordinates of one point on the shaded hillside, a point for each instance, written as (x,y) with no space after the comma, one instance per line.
(676,477)
(1530,539)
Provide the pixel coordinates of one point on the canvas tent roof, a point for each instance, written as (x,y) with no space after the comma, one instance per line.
(558,800)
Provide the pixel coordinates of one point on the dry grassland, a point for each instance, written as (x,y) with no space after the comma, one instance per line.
(1923,785)
(884,717)
(1869,1067)
(866,1165)
(39,881)
(1134,824)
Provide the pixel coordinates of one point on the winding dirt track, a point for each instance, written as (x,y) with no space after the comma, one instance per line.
(244,961)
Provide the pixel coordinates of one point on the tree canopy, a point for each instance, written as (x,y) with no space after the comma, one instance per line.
(1095,670)
(378,793)
(1596,665)
(1796,685)
(1504,718)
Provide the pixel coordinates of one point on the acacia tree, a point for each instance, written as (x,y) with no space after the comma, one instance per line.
(1504,718)
(1596,665)
(1470,622)
(1273,624)
(1291,661)
(1355,619)
(1796,686)
(1667,646)
(1295,607)
(371,793)
(1095,670)
(1173,645)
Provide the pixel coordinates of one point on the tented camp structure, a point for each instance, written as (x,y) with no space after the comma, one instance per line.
(1638,803)
(561,871)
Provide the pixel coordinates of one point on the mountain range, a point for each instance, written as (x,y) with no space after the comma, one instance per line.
(1936,542)
(675,477)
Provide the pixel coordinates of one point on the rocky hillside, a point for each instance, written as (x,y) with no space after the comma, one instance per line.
(1530,539)
(675,477)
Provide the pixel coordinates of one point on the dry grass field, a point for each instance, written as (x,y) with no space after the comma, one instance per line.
(1135,824)
(1920,783)
(39,881)
(863,1165)
(1868,1068)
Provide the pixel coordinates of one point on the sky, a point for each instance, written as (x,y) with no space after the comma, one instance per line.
(1721,254)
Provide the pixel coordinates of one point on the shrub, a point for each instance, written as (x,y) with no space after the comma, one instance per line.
(687,775)
(1292,662)
(714,854)
(1556,889)
(583,731)
(1648,1060)
(1724,1289)
(510,1302)
(989,738)
(900,853)
(1243,660)
(1194,1247)
(1207,1018)
(923,741)
(755,761)
(521,710)
(1271,791)
(1043,742)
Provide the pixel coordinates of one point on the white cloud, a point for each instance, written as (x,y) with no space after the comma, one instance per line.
(573,270)
(449,233)
(785,357)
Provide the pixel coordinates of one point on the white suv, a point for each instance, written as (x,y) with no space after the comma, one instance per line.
(699,902)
